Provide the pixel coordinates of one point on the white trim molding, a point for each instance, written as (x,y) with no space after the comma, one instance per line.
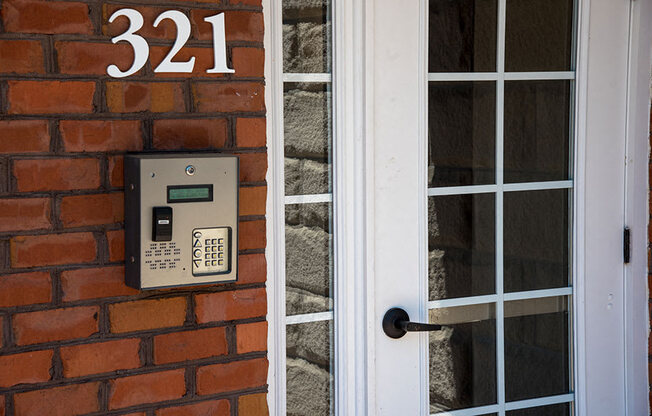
(275,250)
(637,208)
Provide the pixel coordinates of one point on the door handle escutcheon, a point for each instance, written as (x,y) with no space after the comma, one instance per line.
(396,323)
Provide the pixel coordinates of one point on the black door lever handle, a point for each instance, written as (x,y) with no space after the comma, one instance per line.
(396,323)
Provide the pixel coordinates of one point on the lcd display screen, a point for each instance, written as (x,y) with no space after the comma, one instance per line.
(190,193)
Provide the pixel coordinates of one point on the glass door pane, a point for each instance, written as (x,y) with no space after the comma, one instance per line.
(308,172)
(500,161)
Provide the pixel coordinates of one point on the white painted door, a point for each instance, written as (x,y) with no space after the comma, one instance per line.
(496,129)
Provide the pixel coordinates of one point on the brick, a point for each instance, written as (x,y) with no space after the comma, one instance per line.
(25,289)
(253,167)
(240,25)
(116,240)
(147,388)
(256,3)
(2,405)
(190,134)
(190,345)
(101,136)
(250,132)
(28,367)
(48,97)
(227,306)
(204,60)
(24,214)
(103,357)
(24,136)
(212,408)
(55,325)
(21,57)
(212,2)
(252,268)
(165,30)
(80,210)
(237,375)
(229,97)
(56,174)
(253,405)
(101,282)
(251,235)
(45,250)
(249,62)
(253,200)
(53,17)
(116,171)
(147,314)
(92,58)
(60,401)
(132,97)
(251,337)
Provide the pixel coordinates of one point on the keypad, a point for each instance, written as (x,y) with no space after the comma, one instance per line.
(210,250)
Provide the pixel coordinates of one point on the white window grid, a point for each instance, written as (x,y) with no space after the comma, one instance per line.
(498,189)
(328,315)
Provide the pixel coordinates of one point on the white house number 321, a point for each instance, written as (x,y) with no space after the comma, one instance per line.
(141,48)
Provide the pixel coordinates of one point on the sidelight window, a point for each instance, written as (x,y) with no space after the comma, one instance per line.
(308,271)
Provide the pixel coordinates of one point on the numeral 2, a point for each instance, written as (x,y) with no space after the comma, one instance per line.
(183,33)
(141,48)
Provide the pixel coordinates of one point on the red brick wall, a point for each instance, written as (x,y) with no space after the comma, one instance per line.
(73,338)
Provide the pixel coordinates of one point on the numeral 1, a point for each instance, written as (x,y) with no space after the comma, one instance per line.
(219,44)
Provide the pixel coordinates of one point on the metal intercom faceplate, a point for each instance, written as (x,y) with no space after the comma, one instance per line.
(181,219)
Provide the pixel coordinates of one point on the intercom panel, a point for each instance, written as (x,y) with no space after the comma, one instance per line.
(181,219)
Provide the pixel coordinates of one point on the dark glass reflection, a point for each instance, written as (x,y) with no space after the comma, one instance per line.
(308,258)
(536,240)
(563,409)
(462,36)
(537,130)
(309,369)
(461,246)
(308,140)
(461,132)
(537,353)
(538,35)
(463,357)
(307,36)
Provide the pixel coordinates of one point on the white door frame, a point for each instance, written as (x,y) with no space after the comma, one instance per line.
(637,211)
(608,74)
(614,79)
